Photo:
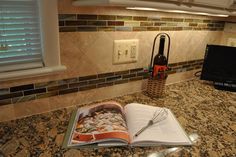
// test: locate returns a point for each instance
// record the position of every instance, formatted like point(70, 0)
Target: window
point(29, 38)
point(20, 43)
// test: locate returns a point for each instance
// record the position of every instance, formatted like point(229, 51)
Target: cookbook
point(111, 124)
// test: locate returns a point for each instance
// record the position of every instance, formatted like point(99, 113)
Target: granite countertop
point(197, 105)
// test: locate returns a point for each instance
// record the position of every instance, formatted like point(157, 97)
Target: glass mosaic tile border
point(95, 23)
point(30, 92)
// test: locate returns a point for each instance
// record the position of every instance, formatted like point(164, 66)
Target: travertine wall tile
point(9, 112)
point(87, 51)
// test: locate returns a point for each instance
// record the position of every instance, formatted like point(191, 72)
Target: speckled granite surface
point(198, 106)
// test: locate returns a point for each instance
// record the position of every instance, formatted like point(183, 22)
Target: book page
point(167, 132)
point(101, 122)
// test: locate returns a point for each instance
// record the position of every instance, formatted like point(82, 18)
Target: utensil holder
point(155, 88)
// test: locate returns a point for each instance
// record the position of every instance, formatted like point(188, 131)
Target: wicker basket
point(155, 88)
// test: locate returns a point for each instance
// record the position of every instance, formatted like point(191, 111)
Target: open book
point(110, 124)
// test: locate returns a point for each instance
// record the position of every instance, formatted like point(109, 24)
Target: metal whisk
point(158, 116)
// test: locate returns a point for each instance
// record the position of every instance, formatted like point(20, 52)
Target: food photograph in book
point(100, 122)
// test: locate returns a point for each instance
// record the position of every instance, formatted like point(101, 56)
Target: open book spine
point(68, 133)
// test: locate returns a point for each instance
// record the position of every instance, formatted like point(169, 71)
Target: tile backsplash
point(86, 47)
point(92, 22)
point(30, 92)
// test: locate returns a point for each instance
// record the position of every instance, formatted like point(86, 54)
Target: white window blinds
point(20, 43)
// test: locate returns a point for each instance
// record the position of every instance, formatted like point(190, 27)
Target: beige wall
point(86, 53)
point(229, 33)
point(91, 53)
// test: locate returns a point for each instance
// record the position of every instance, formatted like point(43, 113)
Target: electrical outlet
point(125, 51)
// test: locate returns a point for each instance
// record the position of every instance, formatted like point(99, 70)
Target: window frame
point(48, 13)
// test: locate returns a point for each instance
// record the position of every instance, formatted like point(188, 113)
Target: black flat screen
point(219, 64)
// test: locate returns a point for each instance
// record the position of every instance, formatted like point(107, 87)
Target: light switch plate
point(125, 51)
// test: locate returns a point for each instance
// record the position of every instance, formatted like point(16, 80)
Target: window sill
point(30, 73)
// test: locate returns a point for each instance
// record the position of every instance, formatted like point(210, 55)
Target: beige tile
point(190, 45)
point(87, 53)
point(91, 52)
point(62, 101)
point(107, 92)
point(7, 113)
point(20, 110)
point(180, 77)
point(31, 107)
point(226, 36)
point(132, 23)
